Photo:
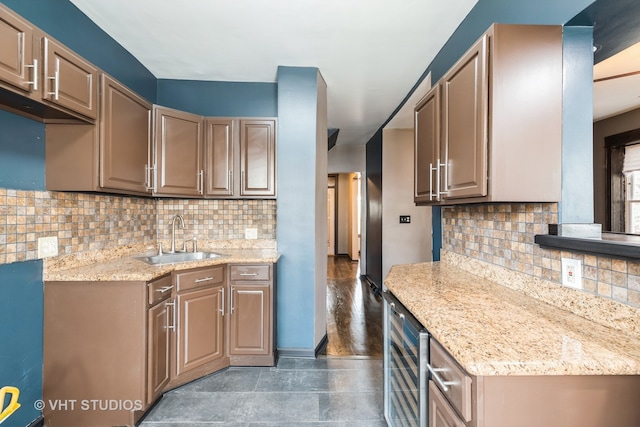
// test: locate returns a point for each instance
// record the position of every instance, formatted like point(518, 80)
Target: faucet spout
point(173, 231)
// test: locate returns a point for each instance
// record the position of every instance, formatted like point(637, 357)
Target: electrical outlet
point(572, 273)
point(251, 233)
point(47, 246)
point(405, 219)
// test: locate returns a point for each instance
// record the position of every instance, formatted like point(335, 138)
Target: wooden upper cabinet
point(219, 152)
point(125, 138)
point(501, 112)
point(465, 118)
point(69, 81)
point(427, 147)
point(178, 143)
point(257, 157)
point(18, 66)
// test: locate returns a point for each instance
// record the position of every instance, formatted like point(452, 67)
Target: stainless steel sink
point(179, 257)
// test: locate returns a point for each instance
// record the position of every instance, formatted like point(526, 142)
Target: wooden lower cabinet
point(160, 323)
point(95, 351)
point(252, 320)
point(528, 400)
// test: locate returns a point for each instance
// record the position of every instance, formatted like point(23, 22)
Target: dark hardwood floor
point(354, 313)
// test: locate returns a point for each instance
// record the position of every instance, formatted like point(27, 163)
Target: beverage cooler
point(406, 354)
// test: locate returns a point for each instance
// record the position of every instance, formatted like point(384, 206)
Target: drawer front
point(159, 289)
point(194, 279)
point(440, 412)
point(250, 272)
point(454, 383)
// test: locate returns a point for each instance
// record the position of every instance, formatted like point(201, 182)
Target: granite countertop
point(491, 329)
point(124, 264)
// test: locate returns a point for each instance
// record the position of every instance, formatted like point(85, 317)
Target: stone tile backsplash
point(503, 234)
point(87, 222)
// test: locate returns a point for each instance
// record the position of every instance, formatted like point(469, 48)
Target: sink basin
point(179, 257)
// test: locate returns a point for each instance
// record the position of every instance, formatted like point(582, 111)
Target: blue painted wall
point(230, 99)
point(296, 218)
point(22, 153)
point(64, 22)
point(21, 317)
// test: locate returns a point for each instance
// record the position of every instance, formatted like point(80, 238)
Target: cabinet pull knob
point(164, 289)
point(34, 82)
point(248, 274)
point(205, 279)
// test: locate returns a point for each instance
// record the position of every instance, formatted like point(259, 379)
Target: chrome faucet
point(173, 232)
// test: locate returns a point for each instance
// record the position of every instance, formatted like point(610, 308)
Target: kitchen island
point(534, 353)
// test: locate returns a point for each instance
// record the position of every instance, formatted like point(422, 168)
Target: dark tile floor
point(336, 392)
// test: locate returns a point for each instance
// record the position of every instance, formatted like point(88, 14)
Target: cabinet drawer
point(159, 289)
point(250, 272)
point(198, 278)
point(456, 381)
point(440, 412)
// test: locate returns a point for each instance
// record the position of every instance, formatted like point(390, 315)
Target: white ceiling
point(370, 52)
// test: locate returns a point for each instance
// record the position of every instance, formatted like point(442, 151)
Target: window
point(623, 167)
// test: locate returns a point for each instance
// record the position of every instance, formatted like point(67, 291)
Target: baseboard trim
point(38, 422)
point(304, 352)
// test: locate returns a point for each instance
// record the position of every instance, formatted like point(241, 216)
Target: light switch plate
point(47, 246)
point(250, 233)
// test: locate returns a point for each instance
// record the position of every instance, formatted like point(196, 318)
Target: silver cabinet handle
point(164, 289)
point(149, 172)
point(173, 315)
point(442, 165)
point(56, 81)
point(230, 184)
point(222, 309)
point(34, 82)
point(431, 193)
point(248, 274)
point(205, 279)
point(444, 385)
point(232, 307)
point(393, 308)
point(201, 182)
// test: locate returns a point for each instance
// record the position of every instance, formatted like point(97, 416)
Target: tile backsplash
point(87, 222)
point(503, 234)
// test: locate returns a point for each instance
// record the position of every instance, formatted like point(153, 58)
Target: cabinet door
point(200, 335)
point(465, 109)
point(160, 323)
point(440, 412)
point(17, 66)
point(219, 157)
point(69, 81)
point(250, 319)
point(125, 129)
point(257, 158)
point(178, 148)
point(427, 147)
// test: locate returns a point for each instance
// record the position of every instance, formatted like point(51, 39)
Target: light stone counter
point(125, 263)
point(491, 329)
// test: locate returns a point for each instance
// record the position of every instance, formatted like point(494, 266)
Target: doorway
point(354, 311)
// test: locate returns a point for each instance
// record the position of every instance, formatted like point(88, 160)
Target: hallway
point(354, 313)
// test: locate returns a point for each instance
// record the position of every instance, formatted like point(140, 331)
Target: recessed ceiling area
point(616, 87)
point(369, 52)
